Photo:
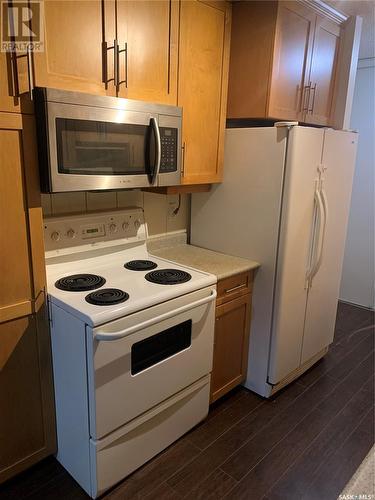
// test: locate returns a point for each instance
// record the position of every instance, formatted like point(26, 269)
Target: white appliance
point(284, 202)
point(132, 344)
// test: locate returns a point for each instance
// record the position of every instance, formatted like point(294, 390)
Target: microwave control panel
point(169, 151)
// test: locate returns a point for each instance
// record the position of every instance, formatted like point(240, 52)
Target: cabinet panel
point(201, 71)
point(72, 58)
point(292, 54)
point(14, 249)
point(15, 65)
point(150, 29)
point(323, 69)
point(7, 101)
point(231, 345)
point(21, 418)
point(27, 431)
point(253, 32)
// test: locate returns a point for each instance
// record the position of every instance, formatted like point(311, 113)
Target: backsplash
point(158, 208)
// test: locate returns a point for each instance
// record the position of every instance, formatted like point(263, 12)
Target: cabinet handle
point(116, 63)
point(119, 82)
point(229, 290)
point(183, 159)
point(30, 71)
point(307, 89)
point(105, 50)
point(15, 86)
point(311, 110)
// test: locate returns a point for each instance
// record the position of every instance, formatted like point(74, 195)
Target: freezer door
point(296, 230)
point(337, 174)
point(241, 217)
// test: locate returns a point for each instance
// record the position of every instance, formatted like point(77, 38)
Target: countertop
point(220, 264)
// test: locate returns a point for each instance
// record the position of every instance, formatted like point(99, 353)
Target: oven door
point(137, 362)
point(97, 148)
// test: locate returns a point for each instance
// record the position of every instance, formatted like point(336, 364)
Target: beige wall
point(158, 208)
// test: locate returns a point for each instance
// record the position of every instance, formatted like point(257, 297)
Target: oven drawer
point(141, 360)
point(120, 453)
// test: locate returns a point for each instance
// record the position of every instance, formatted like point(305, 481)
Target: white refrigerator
point(284, 202)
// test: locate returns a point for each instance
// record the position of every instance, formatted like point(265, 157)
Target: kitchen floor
point(305, 443)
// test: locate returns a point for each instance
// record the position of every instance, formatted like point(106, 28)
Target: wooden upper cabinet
point(323, 71)
point(292, 52)
point(72, 56)
point(15, 67)
point(202, 88)
point(16, 295)
point(148, 66)
point(283, 60)
point(21, 226)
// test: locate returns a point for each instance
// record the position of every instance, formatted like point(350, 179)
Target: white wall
point(357, 284)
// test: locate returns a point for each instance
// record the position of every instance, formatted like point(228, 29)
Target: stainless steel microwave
point(88, 142)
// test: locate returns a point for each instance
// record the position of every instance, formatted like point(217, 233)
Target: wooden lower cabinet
point(27, 422)
point(232, 329)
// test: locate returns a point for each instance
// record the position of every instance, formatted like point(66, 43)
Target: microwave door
point(98, 149)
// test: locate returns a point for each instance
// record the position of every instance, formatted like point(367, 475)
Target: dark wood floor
point(306, 443)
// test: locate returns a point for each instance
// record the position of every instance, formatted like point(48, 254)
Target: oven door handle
point(155, 171)
point(101, 335)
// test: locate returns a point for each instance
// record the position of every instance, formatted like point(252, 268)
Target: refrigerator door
point(241, 217)
point(296, 235)
point(337, 174)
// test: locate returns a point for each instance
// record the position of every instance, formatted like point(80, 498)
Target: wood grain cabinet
point(232, 329)
point(147, 33)
point(202, 87)
point(26, 393)
point(125, 48)
point(283, 62)
point(72, 57)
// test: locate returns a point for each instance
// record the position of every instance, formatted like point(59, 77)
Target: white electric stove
point(132, 344)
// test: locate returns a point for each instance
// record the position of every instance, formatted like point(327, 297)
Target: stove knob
point(125, 226)
point(137, 224)
point(113, 228)
point(55, 236)
point(71, 233)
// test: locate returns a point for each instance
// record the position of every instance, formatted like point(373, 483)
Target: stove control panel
point(78, 230)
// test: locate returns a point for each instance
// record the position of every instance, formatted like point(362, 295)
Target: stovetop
point(105, 259)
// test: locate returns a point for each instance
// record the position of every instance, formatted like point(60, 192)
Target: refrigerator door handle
point(325, 214)
point(317, 237)
point(318, 250)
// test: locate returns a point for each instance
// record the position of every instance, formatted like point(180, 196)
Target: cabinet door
point(72, 57)
point(323, 69)
point(27, 432)
point(16, 294)
point(202, 84)
point(148, 68)
point(292, 53)
point(231, 345)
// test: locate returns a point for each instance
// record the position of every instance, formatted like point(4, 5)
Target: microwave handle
point(100, 335)
point(155, 128)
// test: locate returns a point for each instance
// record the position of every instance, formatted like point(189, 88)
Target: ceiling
point(365, 9)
